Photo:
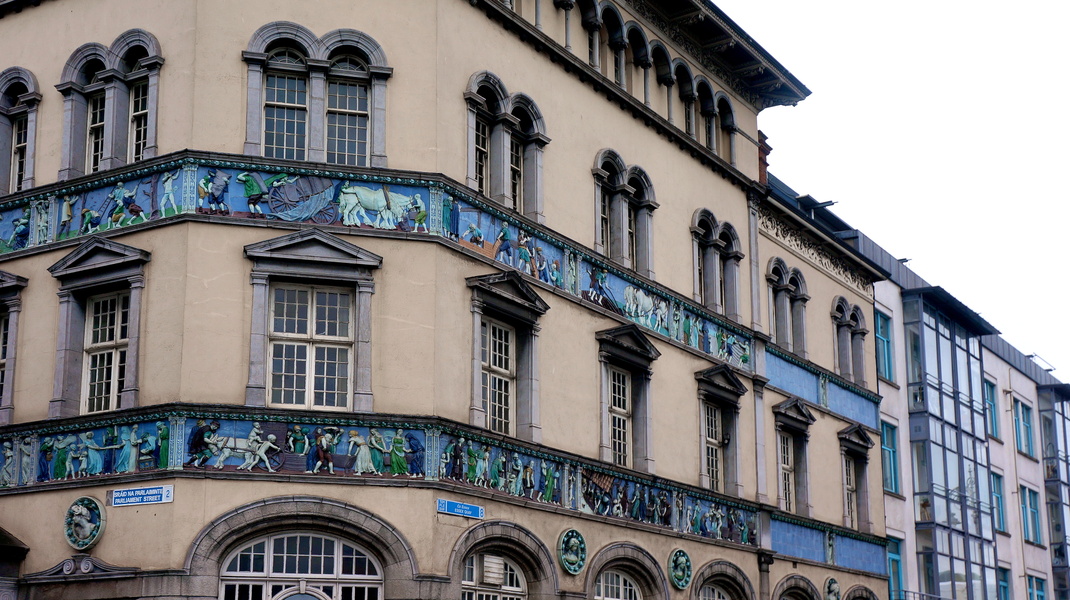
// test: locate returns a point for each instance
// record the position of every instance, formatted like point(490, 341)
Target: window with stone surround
point(626, 356)
point(319, 99)
point(310, 340)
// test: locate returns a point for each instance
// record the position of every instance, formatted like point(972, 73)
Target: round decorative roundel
point(680, 569)
point(84, 523)
point(572, 551)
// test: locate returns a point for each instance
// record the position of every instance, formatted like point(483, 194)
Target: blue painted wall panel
point(801, 542)
point(791, 378)
point(852, 406)
point(864, 556)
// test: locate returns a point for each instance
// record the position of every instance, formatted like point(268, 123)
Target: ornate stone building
point(420, 299)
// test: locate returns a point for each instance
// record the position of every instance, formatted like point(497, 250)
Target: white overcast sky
point(940, 129)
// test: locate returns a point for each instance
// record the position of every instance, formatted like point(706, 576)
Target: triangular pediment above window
point(506, 295)
point(631, 339)
point(99, 258)
point(509, 286)
point(855, 438)
point(721, 382)
point(313, 245)
point(10, 284)
point(794, 413)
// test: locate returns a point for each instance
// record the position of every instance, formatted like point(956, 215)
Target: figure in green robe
point(398, 464)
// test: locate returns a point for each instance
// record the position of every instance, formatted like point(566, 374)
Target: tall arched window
point(726, 130)
point(492, 577)
point(849, 323)
point(286, 103)
point(787, 307)
point(616, 585)
point(685, 90)
point(506, 137)
point(317, 99)
point(716, 257)
point(19, 98)
point(663, 75)
point(300, 566)
point(111, 96)
point(624, 201)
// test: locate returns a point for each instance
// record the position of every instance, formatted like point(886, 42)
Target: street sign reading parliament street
point(157, 494)
point(460, 509)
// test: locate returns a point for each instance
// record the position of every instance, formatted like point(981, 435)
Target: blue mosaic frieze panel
point(849, 404)
point(87, 453)
point(543, 478)
point(494, 235)
point(790, 539)
point(248, 191)
point(304, 447)
point(335, 447)
point(861, 555)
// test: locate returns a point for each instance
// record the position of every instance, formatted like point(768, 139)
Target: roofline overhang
point(952, 307)
point(800, 218)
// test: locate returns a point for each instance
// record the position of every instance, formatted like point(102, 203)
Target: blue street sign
point(460, 509)
point(157, 494)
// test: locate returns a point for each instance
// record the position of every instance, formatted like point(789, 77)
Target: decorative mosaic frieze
point(240, 190)
point(340, 448)
point(814, 251)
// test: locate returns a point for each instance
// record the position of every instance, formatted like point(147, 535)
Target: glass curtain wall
point(949, 456)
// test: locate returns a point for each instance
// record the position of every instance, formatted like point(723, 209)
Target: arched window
point(638, 63)
point(850, 331)
point(707, 109)
point(716, 256)
point(286, 103)
point(18, 127)
point(300, 566)
point(612, 45)
point(787, 307)
point(712, 592)
point(662, 94)
point(527, 138)
point(726, 130)
point(492, 577)
point(317, 99)
point(348, 109)
point(624, 201)
point(685, 89)
point(616, 585)
point(111, 95)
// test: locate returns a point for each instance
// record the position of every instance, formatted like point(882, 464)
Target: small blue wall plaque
point(460, 509)
point(158, 494)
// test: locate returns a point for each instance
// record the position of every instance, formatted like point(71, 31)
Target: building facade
point(971, 451)
point(451, 299)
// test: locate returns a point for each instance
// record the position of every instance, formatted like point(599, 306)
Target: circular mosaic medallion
point(572, 550)
point(680, 569)
point(84, 523)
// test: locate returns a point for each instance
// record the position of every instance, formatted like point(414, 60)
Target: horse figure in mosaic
point(355, 201)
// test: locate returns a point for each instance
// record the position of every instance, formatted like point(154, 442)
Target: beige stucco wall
point(203, 88)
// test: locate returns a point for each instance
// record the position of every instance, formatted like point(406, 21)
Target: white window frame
point(499, 402)
point(287, 64)
point(786, 462)
point(313, 343)
point(112, 348)
point(492, 577)
point(612, 584)
point(850, 492)
point(620, 416)
point(96, 124)
point(248, 555)
point(713, 428)
point(139, 120)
